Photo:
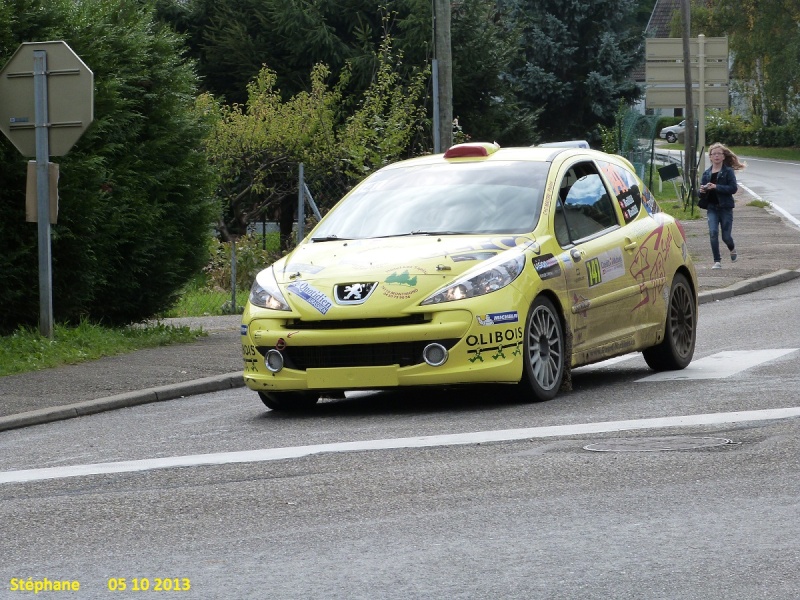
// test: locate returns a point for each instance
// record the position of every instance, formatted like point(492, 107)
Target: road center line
point(504, 435)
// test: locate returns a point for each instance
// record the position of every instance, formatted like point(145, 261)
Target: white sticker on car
point(606, 267)
point(310, 294)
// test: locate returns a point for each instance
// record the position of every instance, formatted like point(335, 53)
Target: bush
point(737, 132)
point(251, 257)
point(780, 136)
point(667, 122)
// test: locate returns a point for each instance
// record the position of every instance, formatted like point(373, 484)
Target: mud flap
point(566, 381)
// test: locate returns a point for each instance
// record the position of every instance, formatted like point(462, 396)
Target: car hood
point(400, 268)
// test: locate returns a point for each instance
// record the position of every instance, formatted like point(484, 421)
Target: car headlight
point(266, 293)
point(495, 274)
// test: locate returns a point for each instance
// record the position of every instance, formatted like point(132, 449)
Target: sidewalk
point(769, 254)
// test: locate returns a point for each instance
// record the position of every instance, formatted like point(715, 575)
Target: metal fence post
point(311, 203)
point(301, 206)
point(233, 277)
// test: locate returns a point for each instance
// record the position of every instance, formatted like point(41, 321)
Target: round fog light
point(274, 360)
point(435, 355)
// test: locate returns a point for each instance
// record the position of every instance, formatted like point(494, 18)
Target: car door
point(647, 240)
point(599, 249)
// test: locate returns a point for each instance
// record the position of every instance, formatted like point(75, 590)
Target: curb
point(215, 383)
point(748, 286)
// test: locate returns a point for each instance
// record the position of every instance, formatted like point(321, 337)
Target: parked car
point(672, 132)
point(479, 265)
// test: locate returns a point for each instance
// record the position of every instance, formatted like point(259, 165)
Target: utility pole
point(688, 133)
point(443, 75)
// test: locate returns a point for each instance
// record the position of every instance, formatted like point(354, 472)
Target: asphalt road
point(407, 510)
point(774, 180)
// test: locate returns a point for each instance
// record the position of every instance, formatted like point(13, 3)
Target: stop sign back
point(70, 95)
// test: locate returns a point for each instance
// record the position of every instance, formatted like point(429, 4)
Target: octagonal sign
point(70, 98)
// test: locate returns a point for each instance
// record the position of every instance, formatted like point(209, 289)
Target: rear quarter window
point(631, 194)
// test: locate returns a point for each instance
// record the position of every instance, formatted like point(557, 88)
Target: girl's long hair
point(730, 158)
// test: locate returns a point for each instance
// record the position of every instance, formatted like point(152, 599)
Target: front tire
point(671, 137)
point(545, 352)
point(676, 350)
point(288, 401)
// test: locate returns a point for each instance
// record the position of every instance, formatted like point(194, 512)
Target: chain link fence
point(223, 286)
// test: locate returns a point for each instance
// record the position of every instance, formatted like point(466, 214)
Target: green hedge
point(135, 204)
point(776, 136)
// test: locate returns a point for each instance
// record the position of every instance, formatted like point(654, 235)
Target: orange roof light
point(471, 150)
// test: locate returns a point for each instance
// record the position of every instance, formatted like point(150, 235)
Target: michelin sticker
point(510, 316)
point(311, 295)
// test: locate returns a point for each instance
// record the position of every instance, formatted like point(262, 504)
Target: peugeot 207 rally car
point(479, 265)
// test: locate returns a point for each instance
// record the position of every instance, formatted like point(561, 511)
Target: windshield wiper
point(328, 238)
point(422, 232)
point(416, 232)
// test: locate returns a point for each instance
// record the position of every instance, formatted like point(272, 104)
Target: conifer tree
point(576, 64)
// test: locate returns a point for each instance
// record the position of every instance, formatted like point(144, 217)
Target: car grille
point(359, 323)
point(404, 354)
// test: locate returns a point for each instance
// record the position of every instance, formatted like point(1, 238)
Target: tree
point(578, 57)
point(256, 147)
point(135, 205)
point(233, 39)
point(764, 38)
point(485, 100)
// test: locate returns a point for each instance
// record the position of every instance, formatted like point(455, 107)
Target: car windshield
point(441, 199)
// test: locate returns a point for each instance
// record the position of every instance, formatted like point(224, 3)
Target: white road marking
point(720, 365)
point(505, 435)
point(787, 215)
point(770, 160)
point(608, 362)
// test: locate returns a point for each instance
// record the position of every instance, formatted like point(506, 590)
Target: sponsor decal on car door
point(602, 292)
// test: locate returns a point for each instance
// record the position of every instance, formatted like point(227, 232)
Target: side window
point(584, 208)
point(627, 188)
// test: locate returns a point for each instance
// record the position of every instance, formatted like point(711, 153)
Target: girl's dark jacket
point(726, 185)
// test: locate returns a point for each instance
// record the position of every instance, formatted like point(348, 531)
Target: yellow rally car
point(481, 265)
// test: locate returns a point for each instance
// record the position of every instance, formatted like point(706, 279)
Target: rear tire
point(676, 350)
point(288, 401)
point(545, 352)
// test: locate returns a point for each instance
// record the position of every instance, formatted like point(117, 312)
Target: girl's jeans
point(720, 218)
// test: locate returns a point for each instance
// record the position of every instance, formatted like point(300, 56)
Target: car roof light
point(471, 150)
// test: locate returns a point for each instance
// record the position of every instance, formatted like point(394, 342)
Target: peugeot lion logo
point(354, 293)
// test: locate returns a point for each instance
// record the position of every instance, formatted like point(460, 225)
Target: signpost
point(664, 71)
point(46, 103)
point(665, 85)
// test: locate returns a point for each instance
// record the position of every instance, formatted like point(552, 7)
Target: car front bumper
point(378, 353)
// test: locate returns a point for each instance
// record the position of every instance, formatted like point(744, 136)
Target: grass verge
point(26, 350)
point(676, 209)
point(203, 303)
